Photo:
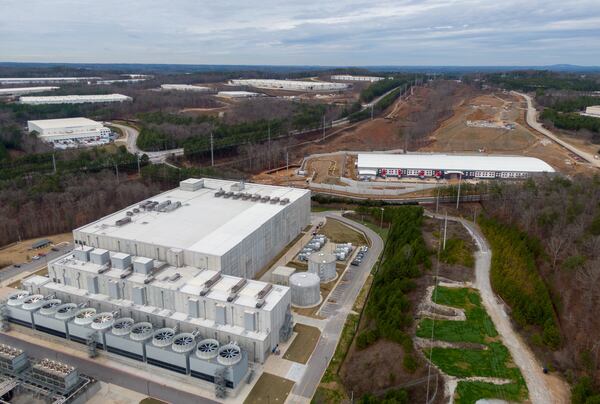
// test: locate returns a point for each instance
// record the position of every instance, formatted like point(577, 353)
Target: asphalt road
point(533, 122)
point(33, 266)
point(131, 135)
point(542, 388)
point(337, 312)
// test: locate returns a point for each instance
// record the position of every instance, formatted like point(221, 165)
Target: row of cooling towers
point(163, 347)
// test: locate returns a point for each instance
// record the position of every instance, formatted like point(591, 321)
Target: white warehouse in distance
point(348, 77)
point(26, 80)
point(25, 90)
point(74, 99)
point(432, 165)
point(183, 87)
point(290, 85)
point(220, 225)
point(73, 129)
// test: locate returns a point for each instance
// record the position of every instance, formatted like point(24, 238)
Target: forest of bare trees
point(57, 204)
point(564, 215)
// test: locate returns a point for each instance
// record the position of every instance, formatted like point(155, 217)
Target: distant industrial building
point(347, 77)
point(25, 90)
point(227, 226)
point(74, 99)
point(371, 165)
point(184, 87)
point(62, 131)
point(593, 110)
point(119, 81)
point(290, 85)
point(25, 80)
point(238, 94)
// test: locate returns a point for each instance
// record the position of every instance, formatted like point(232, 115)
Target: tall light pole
point(458, 195)
point(381, 221)
point(212, 154)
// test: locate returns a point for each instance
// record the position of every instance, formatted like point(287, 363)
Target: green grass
point(471, 392)
point(478, 328)
point(492, 361)
point(457, 252)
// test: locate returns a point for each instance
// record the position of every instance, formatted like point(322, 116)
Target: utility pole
point(212, 155)
point(381, 222)
point(54, 163)
point(269, 135)
point(458, 195)
point(117, 171)
point(138, 163)
point(372, 111)
point(445, 230)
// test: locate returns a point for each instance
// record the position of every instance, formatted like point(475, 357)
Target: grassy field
point(457, 252)
point(338, 232)
point(492, 360)
point(303, 344)
point(269, 389)
point(478, 328)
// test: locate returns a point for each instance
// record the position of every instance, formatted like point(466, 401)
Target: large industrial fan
point(17, 298)
point(183, 342)
point(85, 316)
point(122, 326)
point(163, 337)
point(50, 307)
point(141, 331)
point(207, 349)
point(102, 321)
point(33, 302)
point(229, 354)
point(66, 311)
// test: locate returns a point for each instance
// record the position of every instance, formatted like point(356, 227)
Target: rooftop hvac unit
point(260, 303)
point(148, 280)
point(219, 193)
point(229, 354)
point(171, 207)
point(103, 270)
point(85, 316)
point(122, 326)
point(238, 186)
point(265, 291)
point(161, 206)
point(237, 195)
point(141, 331)
point(123, 221)
point(174, 277)
point(255, 197)
point(284, 201)
point(33, 302)
point(246, 196)
point(102, 321)
point(145, 204)
point(265, 199)
point(136, 210)
point(163, 337)
point(66, 311)
point(129, 213)
point(228, 194)
point(209, 283)
point(50, 307)
point(274, 199)
point(184, 342)
point(207, 349)
point(17, 298)
point(235, 289)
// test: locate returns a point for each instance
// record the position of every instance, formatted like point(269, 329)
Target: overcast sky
point(308, 32)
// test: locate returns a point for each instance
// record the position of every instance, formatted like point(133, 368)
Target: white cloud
point(352, 32)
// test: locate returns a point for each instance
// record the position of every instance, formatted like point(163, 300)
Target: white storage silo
point(322, 264)
point(306, 291)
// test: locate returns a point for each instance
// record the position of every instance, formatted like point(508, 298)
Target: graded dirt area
point(455, 136)
point(18, 253)
point(304, 343)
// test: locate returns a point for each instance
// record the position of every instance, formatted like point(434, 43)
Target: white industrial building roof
point(63, 123)
point(204, 223)
point(73, 99)
point(237, 94)
point(449, 162)
point(25, 90)
point(184, 87)
point(15, 80)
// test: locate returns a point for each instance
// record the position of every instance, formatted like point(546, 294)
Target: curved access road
point(532, 121)
point(131, 135)
point(353, 280)
point(542, 388)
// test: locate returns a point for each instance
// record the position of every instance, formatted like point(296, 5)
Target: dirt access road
point(532, 121)
point(543, 388)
